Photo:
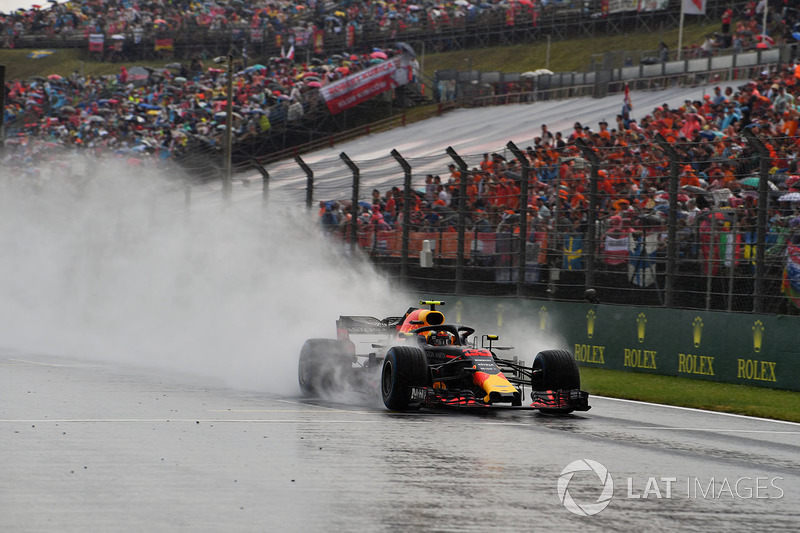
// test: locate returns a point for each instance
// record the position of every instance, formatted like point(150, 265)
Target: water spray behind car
point(108, 261)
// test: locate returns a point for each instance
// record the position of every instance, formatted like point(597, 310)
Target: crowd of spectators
point(133, 21)
point(718, 175)
point(153, 113)
point(272, 17)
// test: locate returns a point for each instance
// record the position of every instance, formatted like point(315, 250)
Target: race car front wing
point(576, 400)
point(561, 400)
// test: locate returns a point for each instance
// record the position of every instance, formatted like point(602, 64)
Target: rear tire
point(323, 366)
point(555, 370)
point(403, 367)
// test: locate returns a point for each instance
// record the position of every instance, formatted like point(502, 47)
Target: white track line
point(37, 363)
point(182, 420)
point(716, 430)
point(700, 411)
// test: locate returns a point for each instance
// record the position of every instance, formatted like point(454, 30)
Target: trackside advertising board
point(368, 83)
point(746, 349)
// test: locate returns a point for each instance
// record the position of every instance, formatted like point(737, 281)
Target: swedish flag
point(38, 54)
point(573, 252)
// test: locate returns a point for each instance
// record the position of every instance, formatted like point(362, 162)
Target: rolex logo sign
point(697, 331)
point(758, 335)
point(641, 322)
point(590, 318)
point(543, 318)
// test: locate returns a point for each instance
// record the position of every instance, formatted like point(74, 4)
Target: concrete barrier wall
point(747, 349)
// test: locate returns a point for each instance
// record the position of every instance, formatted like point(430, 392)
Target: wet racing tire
point(555, 370)
point(403, 367)
point(323, 367)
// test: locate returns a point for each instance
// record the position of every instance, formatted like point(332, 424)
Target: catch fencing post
point(264, 182)
point(406, 213)
point(462, 207)
point(672, 221)
point(309, 180)
point(591, 238)
point(354, 206)
point(523, 216)
point(761, 230)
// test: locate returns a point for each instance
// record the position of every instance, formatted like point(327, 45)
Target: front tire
point(403, 367)
point(555, 370)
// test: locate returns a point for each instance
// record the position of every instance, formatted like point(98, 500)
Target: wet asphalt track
point(91, 447)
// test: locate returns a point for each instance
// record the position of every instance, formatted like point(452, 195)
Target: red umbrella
point(314, 84)
point(54, 77)
point(378, 55)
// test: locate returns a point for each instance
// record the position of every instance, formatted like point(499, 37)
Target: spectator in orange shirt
point(688, 177)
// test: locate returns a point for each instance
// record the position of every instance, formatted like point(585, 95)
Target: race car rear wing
point(366, 325)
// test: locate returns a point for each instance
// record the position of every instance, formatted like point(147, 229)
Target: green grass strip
point(699, 394)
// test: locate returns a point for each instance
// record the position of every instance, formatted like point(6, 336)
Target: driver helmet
point(442, 338)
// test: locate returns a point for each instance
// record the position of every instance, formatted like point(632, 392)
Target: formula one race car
point(420, 361)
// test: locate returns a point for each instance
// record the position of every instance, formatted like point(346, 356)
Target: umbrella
point(96, 118)
point(314, 84)
point(751, 181)
point(54, 77)
point(255, 67)
point(405, 47)
point(378, 55)
point(159, 21)
point(67, 109)
point(790, 197)
point(176, 65)
point(118, 37)
point(138, 76)
point(694, 190)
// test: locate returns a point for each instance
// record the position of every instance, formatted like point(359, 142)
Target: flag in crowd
point(791, 274)
point(694, 7)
